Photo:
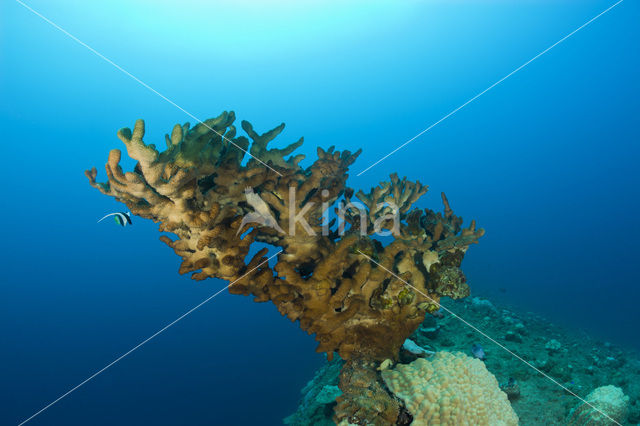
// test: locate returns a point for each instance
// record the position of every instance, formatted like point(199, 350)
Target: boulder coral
point(604, 406)
point(332, 279)
point(450, 389)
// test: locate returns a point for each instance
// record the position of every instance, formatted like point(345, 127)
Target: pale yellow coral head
point(429, 258)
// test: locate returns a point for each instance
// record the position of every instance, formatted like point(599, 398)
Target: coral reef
point(450, 389)
point(583, 363)
point(364, 399)
point(333, 280)
point(607, 405)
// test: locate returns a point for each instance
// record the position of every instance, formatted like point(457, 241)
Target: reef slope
point(575, 359)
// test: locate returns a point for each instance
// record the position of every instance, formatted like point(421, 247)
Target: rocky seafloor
point(576, 360)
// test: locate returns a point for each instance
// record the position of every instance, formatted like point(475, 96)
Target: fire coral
point(336, 284)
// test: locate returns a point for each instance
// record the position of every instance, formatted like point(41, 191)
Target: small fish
point(121, 218)
point(478, 352)
point(438, 314)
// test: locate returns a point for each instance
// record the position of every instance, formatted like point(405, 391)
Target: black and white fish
point(122, 218)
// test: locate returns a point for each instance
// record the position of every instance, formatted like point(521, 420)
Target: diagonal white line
point(97, 373)
point(492, 86)
point(142, 83)
point(490, 338)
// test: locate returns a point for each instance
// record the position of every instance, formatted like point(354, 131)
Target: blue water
point(546, 162)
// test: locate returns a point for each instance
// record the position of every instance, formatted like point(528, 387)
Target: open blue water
point(546, 162)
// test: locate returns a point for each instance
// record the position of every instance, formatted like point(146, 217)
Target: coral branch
point(199, 190)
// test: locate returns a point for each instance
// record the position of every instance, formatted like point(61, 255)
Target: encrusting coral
point(450, 389)
point(334, 280)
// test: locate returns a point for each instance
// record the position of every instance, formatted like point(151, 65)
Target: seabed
point(573, 358)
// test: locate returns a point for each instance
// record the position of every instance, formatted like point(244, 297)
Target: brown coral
point(195, 189)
